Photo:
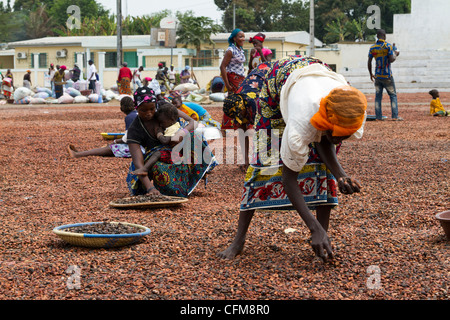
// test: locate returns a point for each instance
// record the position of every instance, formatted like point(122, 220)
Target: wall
point(426, 27)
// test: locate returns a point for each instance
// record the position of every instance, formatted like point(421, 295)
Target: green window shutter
point(205, 58)
point(111, 59)
point(42, 60)
point(131, 58)
point(32, 61)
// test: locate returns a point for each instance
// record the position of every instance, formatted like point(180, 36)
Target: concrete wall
point(425, 28)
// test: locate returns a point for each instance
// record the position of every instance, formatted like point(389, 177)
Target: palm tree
point(337, 30)
point(39, 24)
point(359, 29)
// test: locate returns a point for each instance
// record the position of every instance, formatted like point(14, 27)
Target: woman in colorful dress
point(232, 66)
point(58, 79)
point(258, 54)
point(124, 80)
point(307, 110)
point(233, 73)
point(171, 179)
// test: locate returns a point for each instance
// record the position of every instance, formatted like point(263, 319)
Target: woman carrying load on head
point(304, 112)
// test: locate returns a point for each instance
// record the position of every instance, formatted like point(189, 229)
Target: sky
point(205, 8)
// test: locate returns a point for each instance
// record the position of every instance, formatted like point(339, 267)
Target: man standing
point(137, 82)
point(384, 54)
point(92, 75)
point(172, 76)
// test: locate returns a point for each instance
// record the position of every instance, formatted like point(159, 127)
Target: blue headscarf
point(232, 35)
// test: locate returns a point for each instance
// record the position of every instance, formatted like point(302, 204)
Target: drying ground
point(386, 240)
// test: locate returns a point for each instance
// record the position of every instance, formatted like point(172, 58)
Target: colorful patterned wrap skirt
point(176, 179)
point(122, 150)
point(235, 81)
point(263, 187)
point(245, 97)
point(125, 86)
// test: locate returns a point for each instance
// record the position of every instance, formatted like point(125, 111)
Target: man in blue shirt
point(384, 54)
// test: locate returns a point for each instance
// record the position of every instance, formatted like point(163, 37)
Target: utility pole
point(119, 33)
point(234, 15)
point(311, 29)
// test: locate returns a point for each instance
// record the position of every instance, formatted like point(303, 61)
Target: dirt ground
point(387, 243)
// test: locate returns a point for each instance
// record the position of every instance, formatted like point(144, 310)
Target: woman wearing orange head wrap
point(307, 110)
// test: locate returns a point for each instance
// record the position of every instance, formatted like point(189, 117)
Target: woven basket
point(100, 240)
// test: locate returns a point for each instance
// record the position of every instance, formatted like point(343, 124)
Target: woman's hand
point(321, 244)
point(348, 185)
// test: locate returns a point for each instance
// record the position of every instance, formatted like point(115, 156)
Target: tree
point(265, 15)
point(326, 11)
point(337, 30)
point(39, 24)
point(88, 9)
point(145, 23)
point(195, 30)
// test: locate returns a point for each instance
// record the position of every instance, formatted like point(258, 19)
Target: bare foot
point(72, 151)
point(231, 252)
point(153, 191)
point(140, 172)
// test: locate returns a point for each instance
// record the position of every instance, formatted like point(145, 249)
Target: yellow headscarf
point(342, 111)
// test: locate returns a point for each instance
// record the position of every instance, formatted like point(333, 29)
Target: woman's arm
point(136, 155)
point(319, 238)
point(223, 69)
point(327, 152)
point(250, 60)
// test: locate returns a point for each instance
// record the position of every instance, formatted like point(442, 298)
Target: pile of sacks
point(192, 93)
point(71, 95)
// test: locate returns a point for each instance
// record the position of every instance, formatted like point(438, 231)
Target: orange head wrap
point(342, 111)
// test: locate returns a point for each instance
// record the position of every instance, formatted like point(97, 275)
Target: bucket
point(444, 219)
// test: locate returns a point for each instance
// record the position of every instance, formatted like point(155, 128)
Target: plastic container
point(444, 220)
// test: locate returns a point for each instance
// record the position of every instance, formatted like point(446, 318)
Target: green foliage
point(88, 9)
point(352, 15)
point(195, 30)
point(335, 20)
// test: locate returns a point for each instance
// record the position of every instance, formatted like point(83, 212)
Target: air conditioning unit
point(21, 55)
point(61, 53)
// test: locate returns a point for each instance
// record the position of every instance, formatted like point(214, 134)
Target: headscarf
point(63, 67)
point(232, 35)
point(259, 36)
point(144, 94)
point(343, 111)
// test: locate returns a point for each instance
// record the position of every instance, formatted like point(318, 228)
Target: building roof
point(92, 42)
point(299, 37)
